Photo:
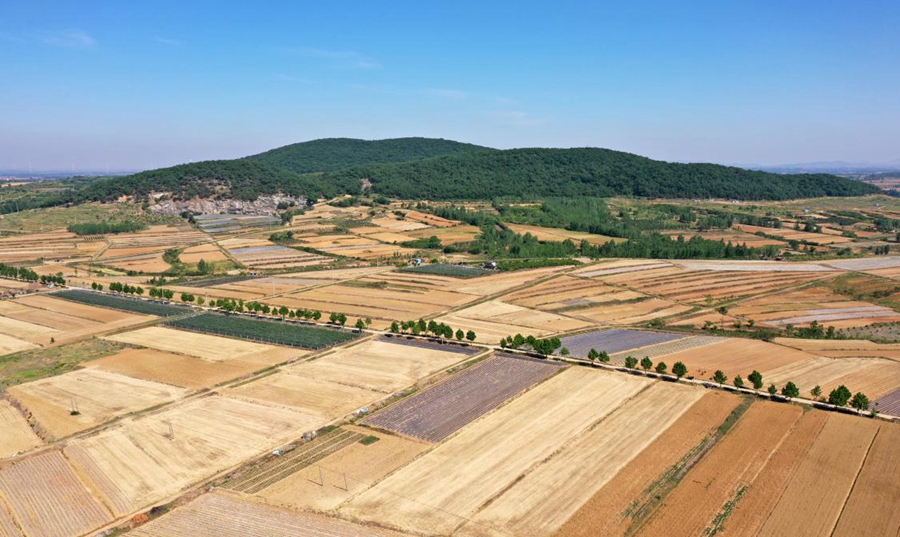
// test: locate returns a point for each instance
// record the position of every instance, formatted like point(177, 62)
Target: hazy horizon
point(129, 86)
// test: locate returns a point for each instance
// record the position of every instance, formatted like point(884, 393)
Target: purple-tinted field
point(889, 403)
point(613, 341)
point(439, 411)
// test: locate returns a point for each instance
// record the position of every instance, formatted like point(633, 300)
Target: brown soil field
point(338, 275)
point(208, 347)
point(56, 321)
point(440, 490)
point(539, 503)
point(206, 252)
point(115, 253)
point(607, 512)
point(568, 292)
point(361, 465)
point(754, 507)
point(46, 498)
point(151, 263)
point(161, 235)
point(67, 307)
point(136, 462)
point(175, 369)
point(34, 333)
point(841, 348)
point(98, 395)
point(551, 234)
point(734, 236)
point(226, 514)
point(872, 376)
point(397, 225)
point(274, 285)
point(50, 246)
point(753, 266)
point(17, 435)
point(495, 320)
point(815, 495)
point(737, 357)
point(430, 219)
point(630, 312)
point(400, 280)
point(620, 266)
point(871, 508)
point(377, 365)
point(318, 398)
point(733, 463)
point(493, 284)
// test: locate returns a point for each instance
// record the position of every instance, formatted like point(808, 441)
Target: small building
point(489, 265)
point(417, 261)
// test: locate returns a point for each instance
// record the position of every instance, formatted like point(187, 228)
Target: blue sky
point(130, 85)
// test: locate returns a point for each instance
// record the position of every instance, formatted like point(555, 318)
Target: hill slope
point(331, 154)
point(534, 173)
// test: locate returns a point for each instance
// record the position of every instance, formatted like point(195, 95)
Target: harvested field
point(158, 236)
point(137, 462)
point(17, 435)
point(672, 347)
point(175, 369)
point(624, 266)
point(494, 320)
point(844, 348)
point(729, 235)
point(135, 305)
point(258, 287)
point(815, 495)
point(275, 256)
point(754, 266)
point(46, 498)
point(228, 515)
point(791, 234)
point(443, 409)
point(381, 305)
point(149, 263)
point(345, 473)
point(732, 464)
point(34, 333)
point(751, 512)
point(614, 340)
point(448, 235)
point(552, 234)
point(206, 252)
point(565, 293)
point(379, 365)
point(871, 508)
point(738, 357)
point(493, 284)
point(872, 376)
point(97, 395)
point(610, 510)
point(541, 502)
point(278, 333)
point(866, 264)
point(210, 348)
point(318, 398)
point(443, 269)
point(630, 312)
point(9, 344)
point(276, 468)
point(443, 488)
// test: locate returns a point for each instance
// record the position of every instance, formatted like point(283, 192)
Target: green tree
point(203, 267)
point(564, 351)
point(200, 300)
point(593, 355)
point(860, 402)
point(646, 363)
point(604, 357)
point(790, 390)
point(756, 379)
point(360, 324)
point(839, 396)
point(395, 328)
point(816, 392)
point(460, 335)
point(738, 382)
point(631, 362)
point(772, 389)
point(723, 311)
point(661, 368)
point(720, 377)
point(679, 369)
point(470, 335)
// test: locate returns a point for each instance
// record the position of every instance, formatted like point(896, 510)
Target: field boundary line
point(855, 480)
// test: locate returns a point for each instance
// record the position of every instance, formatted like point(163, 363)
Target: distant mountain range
point(427, 168)
point(835, 167)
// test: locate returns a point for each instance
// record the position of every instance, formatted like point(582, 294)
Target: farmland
point(122, 303)
point(17, 434)
point(615, 340)
point(280, 333)
point(443, 409)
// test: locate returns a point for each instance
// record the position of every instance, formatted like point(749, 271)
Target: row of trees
point(127, 289)
point(543, 346)
point(433, 327)
point(839, 396)
point(52, 278)
point(18, 273)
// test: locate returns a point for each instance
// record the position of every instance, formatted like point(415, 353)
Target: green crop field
point(279, 333)
point(121, 303)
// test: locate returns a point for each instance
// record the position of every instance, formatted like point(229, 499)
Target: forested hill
point(536, 173)
point(472, 172)
point(240, 179)
point(331, 154)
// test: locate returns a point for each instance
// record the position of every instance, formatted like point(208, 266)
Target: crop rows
point(279, 333)
point(280, 467)
point(438, 412)
point(121, 303)
point(457, 271)
point(889, 403)
point(670, 347)
point(615, 340)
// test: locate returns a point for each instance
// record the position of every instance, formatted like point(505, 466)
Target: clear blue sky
point(133, 85)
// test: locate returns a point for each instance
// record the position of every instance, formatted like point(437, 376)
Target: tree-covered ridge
point(537, 173)
point(240, 179)
point(332, 154)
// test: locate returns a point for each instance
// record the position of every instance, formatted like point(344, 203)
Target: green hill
point(331, 154)
point(538, 173)
point(241, 179)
